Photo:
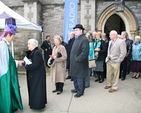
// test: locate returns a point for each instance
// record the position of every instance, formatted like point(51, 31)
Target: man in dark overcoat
point(46, 46)
point(123, 65)
point(70, 43)
point(79, 61)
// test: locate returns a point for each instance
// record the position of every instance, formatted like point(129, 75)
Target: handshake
point(23, 62)
point(19, 63)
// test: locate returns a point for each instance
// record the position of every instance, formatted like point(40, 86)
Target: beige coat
point(118, 51)
point(58, 70)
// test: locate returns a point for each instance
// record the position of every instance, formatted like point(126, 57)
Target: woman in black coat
point(36, 76)
point(100, 54)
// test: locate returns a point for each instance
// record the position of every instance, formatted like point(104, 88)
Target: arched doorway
point(127, 17)
point(114, 22)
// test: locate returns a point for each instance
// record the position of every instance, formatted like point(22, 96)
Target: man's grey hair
point(125, 33)
point(72, 33)
point(33, 41)
point(113, 32)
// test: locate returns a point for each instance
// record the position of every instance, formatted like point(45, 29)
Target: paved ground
point(95, 100)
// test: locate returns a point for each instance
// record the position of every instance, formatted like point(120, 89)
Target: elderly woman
point(100, 55)
point(36, 76)
point(136, 58)
point(58, 69)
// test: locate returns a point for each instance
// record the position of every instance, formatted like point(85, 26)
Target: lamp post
point(119, 5)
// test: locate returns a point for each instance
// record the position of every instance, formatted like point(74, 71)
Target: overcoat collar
point(30, 53)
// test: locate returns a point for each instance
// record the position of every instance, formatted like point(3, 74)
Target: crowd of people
point(115, 56)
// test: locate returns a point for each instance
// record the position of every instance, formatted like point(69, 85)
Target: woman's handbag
point(51, 61)
point(92, 63)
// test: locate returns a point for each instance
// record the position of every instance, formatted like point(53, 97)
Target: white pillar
point(31, 13)
point(88, 14)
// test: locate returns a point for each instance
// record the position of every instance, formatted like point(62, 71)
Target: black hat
point(79, 26)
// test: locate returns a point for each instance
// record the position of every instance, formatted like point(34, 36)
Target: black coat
point(46, 45)
point(79, 57)
point(65, 45)
point(129, 48)
point(36, 80)
point(103, 51)
point(70, 43)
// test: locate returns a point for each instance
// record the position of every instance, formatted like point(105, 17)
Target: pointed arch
point(127, 17)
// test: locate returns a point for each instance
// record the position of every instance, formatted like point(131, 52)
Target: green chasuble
point(10, 98)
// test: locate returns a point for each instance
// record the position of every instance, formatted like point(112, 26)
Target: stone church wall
point(133, 6)
point(52, 15)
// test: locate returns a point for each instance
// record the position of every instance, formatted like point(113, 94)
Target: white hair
point(72, 33)
point(138, 37)
point(113, 32)
point(34, 42)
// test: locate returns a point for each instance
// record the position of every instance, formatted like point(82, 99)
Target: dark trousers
point(79, 84)
point(69, 73)
point(59, 86)
point(128, 66)
point(123, 68)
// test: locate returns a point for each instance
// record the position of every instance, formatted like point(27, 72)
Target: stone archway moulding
point(126, 16)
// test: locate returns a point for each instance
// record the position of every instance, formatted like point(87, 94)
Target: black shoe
point(97, 80)
point(122, 79)
point(78, 95)
point(68, 77)
point(74, 91)
point(87, 86)
point(71, 79)
point(59, 92)
point(100, 81)
point(54, 91)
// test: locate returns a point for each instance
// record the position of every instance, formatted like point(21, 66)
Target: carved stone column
point(32, 11)
point(88, 14)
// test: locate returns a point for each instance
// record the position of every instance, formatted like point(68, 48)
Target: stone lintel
point(32, 1)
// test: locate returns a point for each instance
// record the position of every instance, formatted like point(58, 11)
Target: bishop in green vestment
point(10, 98)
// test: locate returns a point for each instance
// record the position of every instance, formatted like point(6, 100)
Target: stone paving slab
point(96, 99)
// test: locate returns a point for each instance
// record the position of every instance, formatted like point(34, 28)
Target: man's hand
point(20, 62)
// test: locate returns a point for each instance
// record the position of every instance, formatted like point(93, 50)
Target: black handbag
point(59, 55)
